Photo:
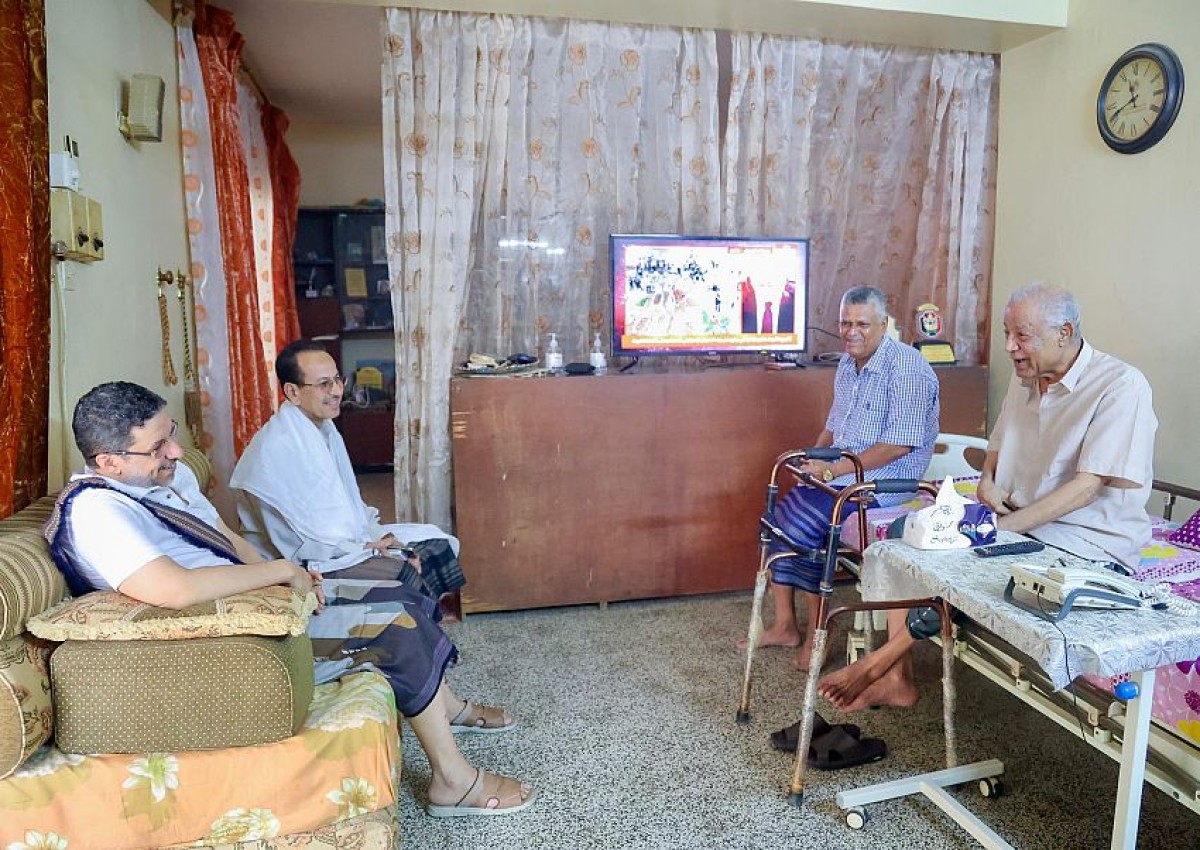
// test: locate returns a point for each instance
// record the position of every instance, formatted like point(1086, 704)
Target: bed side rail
point(1171, 492)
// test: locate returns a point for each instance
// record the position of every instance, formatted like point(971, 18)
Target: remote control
point(1021, 547)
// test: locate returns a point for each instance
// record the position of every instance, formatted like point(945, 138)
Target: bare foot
point(804, 657)
point(773, 637)
point(842, 687)
point(483, 791)
point(853, 690)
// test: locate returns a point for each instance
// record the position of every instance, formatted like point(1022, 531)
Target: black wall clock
point(1140, 98)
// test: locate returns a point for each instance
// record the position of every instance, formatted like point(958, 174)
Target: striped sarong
point(382, 625)
point(804, 515)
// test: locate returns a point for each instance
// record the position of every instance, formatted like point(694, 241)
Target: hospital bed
point(1088, 709)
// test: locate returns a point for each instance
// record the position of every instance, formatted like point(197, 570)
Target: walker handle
point(897, 485)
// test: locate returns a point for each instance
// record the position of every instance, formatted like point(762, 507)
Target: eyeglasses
point(158, 451)
point(325, 384)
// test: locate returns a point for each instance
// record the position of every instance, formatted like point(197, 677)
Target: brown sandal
point(480, 720)
point(494, 803)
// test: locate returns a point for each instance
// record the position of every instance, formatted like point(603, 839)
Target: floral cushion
point(108, 615)
point(1187, 534)
point(26, 715)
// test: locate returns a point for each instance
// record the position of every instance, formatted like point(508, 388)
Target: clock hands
point(1132, 99)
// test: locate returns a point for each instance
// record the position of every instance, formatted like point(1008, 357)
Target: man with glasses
point(135, 521)
point(885, 410)
point(298, 497)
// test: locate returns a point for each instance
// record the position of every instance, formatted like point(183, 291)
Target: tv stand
point(630, 365)
point(635, 486)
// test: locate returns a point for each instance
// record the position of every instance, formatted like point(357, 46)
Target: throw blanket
point(304, 472)
point(184, 524)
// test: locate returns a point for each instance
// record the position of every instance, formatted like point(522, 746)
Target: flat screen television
point(708, 295)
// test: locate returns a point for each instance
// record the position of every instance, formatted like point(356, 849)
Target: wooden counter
point(592, 489)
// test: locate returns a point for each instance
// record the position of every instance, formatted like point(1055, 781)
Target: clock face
point(1140, 98)
point(1135, 100)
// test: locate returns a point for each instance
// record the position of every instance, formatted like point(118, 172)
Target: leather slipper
point(491, 807)
point(788, 737)
point(478, 719)
point(837, 749)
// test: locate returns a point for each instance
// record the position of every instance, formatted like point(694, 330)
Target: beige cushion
point(108, 615)
point(199, 463)
point(26, 716)
point(29, 581)
point(166, 696)
point(30, 518)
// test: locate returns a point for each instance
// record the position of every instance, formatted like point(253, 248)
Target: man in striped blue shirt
point(886, 411)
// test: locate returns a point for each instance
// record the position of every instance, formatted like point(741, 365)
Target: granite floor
point(627, 726)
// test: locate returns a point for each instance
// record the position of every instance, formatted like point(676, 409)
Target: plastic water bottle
point(554, 357)
point(599, 363)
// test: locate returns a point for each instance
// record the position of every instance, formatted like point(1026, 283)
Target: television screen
point(708, 294)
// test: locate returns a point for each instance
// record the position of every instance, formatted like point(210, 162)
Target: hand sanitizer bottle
point(597, 356)
point(554, 357)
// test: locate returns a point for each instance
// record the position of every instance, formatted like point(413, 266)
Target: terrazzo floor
point(626, 725)
point(627, 728)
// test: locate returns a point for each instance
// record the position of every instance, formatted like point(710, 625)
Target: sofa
point(327, 777)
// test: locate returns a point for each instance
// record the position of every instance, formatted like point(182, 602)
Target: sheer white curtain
point(512, 148)
point(884, 156)
point(207, 265)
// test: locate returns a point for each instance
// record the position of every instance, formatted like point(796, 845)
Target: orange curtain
point(24, 255)
point(219, 46)
point(285, 196)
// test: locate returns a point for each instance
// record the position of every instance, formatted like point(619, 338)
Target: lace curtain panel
point(24, 258)
point(885, 157)
point(512, 147)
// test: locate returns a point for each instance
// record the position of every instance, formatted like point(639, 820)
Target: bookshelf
point(342, 296)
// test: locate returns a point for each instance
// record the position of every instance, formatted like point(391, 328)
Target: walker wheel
point(856, 818)
point(991, 787)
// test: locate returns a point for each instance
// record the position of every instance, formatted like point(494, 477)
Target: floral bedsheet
point(344, 763)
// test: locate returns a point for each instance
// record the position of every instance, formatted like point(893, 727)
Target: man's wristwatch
point(827, 473)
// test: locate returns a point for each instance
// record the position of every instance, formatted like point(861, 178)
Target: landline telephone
point(1066, 588)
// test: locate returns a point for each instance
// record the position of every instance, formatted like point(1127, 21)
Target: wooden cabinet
point(341, 253)
point(601, 488)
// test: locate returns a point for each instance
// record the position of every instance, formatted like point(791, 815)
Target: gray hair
point(867, 295)
point(1056, 305)
point(106, 416)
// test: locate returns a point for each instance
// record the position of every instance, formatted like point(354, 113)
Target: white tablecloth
point(1106, 643)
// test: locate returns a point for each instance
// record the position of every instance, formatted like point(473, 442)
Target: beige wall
point(108, 314)
point(1119, 231)
point(339, 164)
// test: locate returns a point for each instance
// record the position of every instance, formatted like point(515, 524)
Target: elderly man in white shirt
point(1070, 462)
point(298, 497)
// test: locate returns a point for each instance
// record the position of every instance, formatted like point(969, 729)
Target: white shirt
point(1098, 419)
point(112, 537)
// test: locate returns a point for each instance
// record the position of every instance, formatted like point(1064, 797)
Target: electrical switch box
point(72, 232)
point(95, 227)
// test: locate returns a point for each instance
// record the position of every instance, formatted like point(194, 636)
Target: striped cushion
point(29, 581)
point(30, 518)
point(26, 716)
point(146, 696)
point(199, 463)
